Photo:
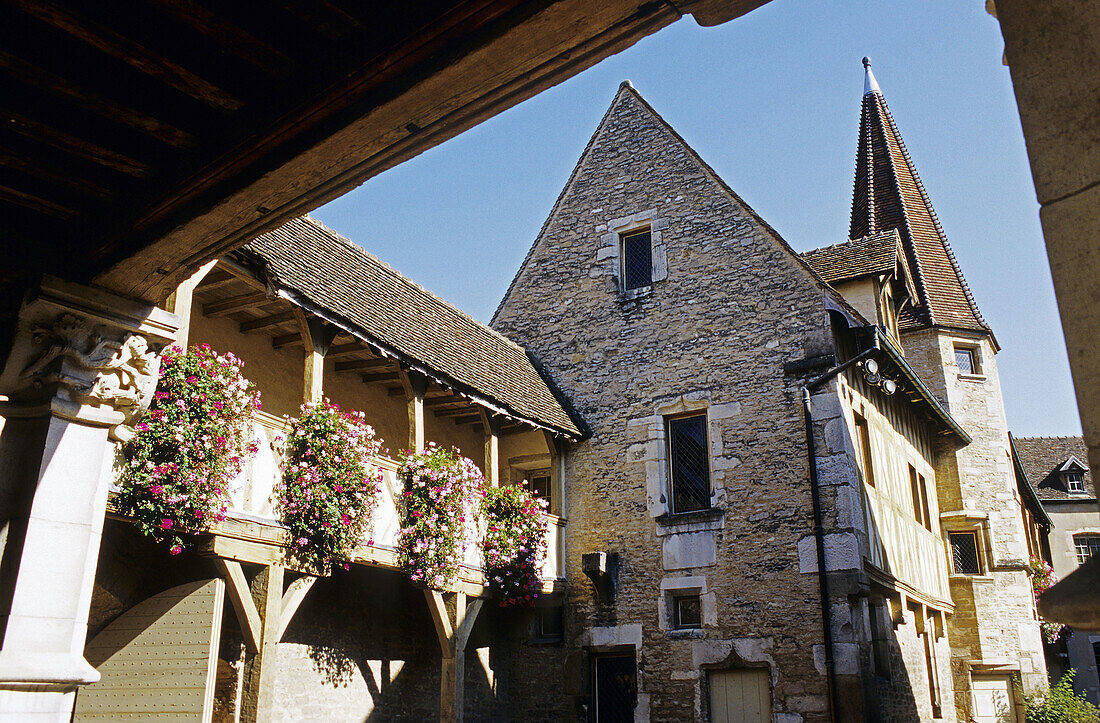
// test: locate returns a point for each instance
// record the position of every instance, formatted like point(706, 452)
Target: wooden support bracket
point(292, 599)
point(247, 615)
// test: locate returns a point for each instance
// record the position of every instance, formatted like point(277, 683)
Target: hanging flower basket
point(195, 439)
point(1042, 579)
point(330, 487)
point(514, 545)
point(437, 509)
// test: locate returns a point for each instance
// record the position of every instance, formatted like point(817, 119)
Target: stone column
point(82, 368)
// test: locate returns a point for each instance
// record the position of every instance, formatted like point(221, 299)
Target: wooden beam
point(248, 617)
point(354, 347)
point(266, 322)
point(292, 599)
point(469, 419)
point(258, 701)
point(415, 385)
point(70, 144)
point(278, 342)
point(490, 423)
point(233, 304)
point(92, 102)
point(462, 410)
point(130, 52)
point(22, 164)
point(442, 619)
point(36, 203)
point(227, 35)
point(441, 400)
point(362, 365)
point(380, 377)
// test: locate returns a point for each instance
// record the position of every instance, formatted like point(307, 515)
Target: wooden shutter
point(158, 659)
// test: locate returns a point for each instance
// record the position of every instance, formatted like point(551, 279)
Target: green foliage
point(329, 488)
point(1061, 705)
point(190, 446)
point(514, 543)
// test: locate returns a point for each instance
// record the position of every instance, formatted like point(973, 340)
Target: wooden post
point(317, 337)
point(452, 642)
point(416, 385)
point(263, 612)
point(491, 423)
point(179, 301)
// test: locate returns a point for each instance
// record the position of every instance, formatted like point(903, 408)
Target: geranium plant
point(1042, 578)
point(437, 511)
point(329, 488)
point(194, 440)
point(514, 544)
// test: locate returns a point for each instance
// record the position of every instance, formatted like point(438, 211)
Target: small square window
point(637, 260)
point(966, 358)
point(551, 625)
point(964, 553)
point(687, 612)
point(689, 463)
point(1075, 482)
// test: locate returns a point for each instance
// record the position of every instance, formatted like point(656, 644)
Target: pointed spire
point(870, 85)
point(888, 195)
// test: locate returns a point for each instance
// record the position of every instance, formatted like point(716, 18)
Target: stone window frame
point(669, 420)
point(977, 362)
point(683, 586)
point(610, 251)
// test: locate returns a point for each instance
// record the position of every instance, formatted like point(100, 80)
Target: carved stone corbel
point(86, 355)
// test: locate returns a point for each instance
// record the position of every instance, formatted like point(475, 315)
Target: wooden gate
point(740, 696)
point(158, 659)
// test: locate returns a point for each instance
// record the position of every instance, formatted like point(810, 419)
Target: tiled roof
point(888, 194)
point(341, 282)
point(874, 254)
point(1041, 458)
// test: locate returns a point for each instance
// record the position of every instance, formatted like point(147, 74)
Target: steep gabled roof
point(888, 194)
point(339, 281)
point(1044, 459)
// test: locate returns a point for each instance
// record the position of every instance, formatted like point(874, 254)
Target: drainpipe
point(819, 533)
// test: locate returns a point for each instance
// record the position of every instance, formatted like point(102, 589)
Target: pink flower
point(345, 520)
point(176, 549)
point(166, 524)
point(156, 490)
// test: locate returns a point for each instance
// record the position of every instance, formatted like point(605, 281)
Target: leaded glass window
point(689, 463)
point(637, 260)
point(964, 553)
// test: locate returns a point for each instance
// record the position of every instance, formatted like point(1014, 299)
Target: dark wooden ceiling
point(143, 137)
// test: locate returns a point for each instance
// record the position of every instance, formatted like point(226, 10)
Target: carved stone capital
point(84, 354)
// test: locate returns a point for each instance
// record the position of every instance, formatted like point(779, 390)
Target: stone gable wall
point(713, 334)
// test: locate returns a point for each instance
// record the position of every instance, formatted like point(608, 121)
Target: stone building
point(1056, 468)
point(774, 491)
point(698, 346)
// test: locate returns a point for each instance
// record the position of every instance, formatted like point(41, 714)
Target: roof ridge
point(1057, 436)
point(851, 241)
point(359, 249)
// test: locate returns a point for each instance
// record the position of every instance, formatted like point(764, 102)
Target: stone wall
point(728, 306)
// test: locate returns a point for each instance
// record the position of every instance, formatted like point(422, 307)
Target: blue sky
point(771, 101)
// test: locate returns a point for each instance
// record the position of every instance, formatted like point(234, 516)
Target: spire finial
point(870, 85)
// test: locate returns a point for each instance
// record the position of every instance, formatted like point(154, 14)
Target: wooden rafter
point(233, 304)
point(282, 340)
point(130, 52)
point(363, 365)
point(390, 376)
point(266, 322)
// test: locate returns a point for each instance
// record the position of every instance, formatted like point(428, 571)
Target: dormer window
point(1075, 482)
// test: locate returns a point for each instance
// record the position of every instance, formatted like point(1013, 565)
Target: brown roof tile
point(888, 194)
point(1041, 458)
point(870, 255)
point(349, 286)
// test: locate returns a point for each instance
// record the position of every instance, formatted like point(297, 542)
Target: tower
point(993, 635)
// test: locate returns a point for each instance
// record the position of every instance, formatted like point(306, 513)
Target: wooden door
point(740, 696)
point(158, 659)
point(992, 698)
